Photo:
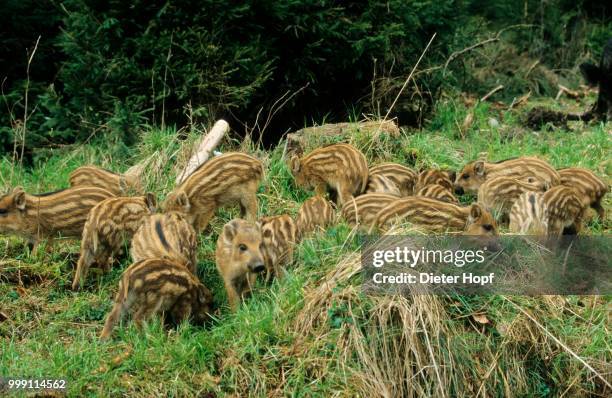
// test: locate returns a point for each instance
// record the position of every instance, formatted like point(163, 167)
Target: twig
point(12, 120)
point(572, 353)
point(274, 108)
point(272, 111)
point(470, 48)
point(532, 67)
point(25, 106)
point(521, 100)
point(284, 155)
point(406, 82)
point(570, 93)
point(165, 76)
point(482, 43)
point(490, 93)
point(431, 354)
point(456, 54)
point(488, 373)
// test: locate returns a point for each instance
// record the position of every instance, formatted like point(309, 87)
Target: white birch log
point(205, 149)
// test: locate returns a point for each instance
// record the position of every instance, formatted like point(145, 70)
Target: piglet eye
point(465, 176)
point(3, 211)
point(242, 247)
point(488, 227)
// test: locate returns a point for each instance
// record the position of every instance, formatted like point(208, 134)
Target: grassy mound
point(314, 333)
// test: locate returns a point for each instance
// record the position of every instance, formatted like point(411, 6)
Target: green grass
point(296, 337)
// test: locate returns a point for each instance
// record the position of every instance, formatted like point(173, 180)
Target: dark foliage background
point(103, 69)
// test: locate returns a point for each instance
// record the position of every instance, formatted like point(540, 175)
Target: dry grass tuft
point(402, 350)
point(414, 345)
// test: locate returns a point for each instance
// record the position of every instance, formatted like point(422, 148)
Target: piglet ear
point(19, 198)
point(229, 230)
point(151, 202)
point(183, 201)
point(123, 185)
point(475, 212)
point(452, 175)
point(295, 164)
point(479, 167)
point(205, 296)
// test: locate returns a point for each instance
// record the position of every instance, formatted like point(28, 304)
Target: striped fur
point(439, 192)
point(239, 258)
point(159, 286)
point(279, 236)
point(498, 194)
point(117, 184)
point(527, 215)
point(444, 178)
point(315, 213)
point(166, 235)
point(226, 180)
point(474, 174)
point(47, 215)
point(108, 225)
point(436, 215)
point(363, 209)
point(590, 187)
point(378, 183)
point(403, 177)
point(341, 169)
point(563, 208)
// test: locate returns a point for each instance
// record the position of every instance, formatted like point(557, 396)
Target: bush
point(541, 46)
point(116, 65)
point(24, 21)
point(164, 62)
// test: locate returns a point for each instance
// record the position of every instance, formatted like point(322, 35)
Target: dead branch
point(408, 78)
point(470, 48)
point(560, 343)
point(275, 108)
point(490, 93)
point(493, 39)
point(208, 143)
point(521, 100)
point(570, 93)
point(532, 67)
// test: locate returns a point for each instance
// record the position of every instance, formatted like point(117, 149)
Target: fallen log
point(296, 141)
point(205, 149)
